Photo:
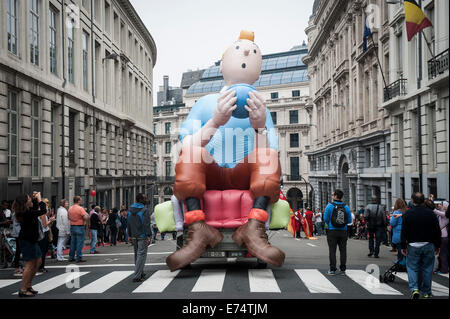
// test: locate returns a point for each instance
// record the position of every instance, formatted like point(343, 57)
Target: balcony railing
point(438, 65)
point(394, 89)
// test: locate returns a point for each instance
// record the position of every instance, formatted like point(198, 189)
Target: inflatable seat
point(223, 209)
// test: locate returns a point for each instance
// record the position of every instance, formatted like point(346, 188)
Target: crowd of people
point(418, 233)
point(40, 231)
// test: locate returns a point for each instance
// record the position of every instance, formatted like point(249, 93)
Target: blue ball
point(242, 91)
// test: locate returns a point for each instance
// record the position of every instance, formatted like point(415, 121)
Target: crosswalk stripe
point(262, 280)
point(57, 281)
point(104, 283)
point(7, 282)
point(316, 282)
point(157, 282)
point(371, 283)
point(436, 289)
point(210, 280)
point(445, 275)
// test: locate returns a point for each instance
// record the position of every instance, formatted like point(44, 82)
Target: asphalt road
point(303, 276)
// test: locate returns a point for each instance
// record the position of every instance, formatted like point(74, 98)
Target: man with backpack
point(376, 225)
point(337, 215)
point(139, 234)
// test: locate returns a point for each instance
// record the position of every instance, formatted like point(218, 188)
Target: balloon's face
point(241, 63)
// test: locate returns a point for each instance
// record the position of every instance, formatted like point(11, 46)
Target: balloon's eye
point(254, 51)
point(237, 47)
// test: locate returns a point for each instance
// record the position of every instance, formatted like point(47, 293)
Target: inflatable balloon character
point(229, 143)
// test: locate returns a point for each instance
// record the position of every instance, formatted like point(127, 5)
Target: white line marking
point(157, 282)
point(7, 282)
point(123, 254)
point(57, 281)
point(371, 283)
point(445, 275)
point(312, 245)
point(104, 283)
point(262, 280)
point(104, 265)
point(316, 282)
point(210, 280)
point(436, 289)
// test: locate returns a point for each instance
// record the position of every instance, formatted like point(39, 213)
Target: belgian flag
point(415, 19)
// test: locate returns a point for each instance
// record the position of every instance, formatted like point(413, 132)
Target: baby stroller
point(362, 232)
point(389, 275)
point(9, 246)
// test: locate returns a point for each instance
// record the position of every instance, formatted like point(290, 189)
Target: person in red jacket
point(309, 216)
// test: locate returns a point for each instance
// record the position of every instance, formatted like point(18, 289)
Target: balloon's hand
point(226, 104)
point(256, 108)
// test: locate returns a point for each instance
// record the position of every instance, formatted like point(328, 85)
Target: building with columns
point(75, 100)
point(352, 141)
point(284, 83)
point(420, 149)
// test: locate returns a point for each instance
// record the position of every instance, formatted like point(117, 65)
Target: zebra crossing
point(275, 281)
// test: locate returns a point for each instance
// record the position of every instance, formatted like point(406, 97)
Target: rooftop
point(277, 68)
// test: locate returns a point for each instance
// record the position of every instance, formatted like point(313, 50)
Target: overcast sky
point(193, 34)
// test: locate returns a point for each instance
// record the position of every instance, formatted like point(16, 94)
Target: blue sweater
point(396, 224)
point(329, 211)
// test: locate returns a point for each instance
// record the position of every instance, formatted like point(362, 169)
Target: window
point(376, 156)
point(402, 187)
point(72, 140)
point(52, 141)
point(154, 128)
point(368, 157)
point(34, 32)
point(367, 193)
point(168, 168)
point(432, 136)
point(11, 15)
point(415, 185)
point(70, 48)
point(432, 186)
point(52, 15)
point(155, 168)
point(13, 124)
point(293, 117)
point(35, 132)
point(107, 17)
point(296, 93)
point(293, 140)
point(167, 125)
point(295, 167)
point(274, 117)
point(168, 147)
point(154, 148)
point(388, 155)
point(84, 39)
point(274, 95)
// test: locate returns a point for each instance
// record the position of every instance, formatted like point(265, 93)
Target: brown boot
point(199, 236)
point(253, 235)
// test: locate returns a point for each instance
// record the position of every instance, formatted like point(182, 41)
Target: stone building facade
point(351, 141)
point(284, 83)
point(401, 102)
point(75, 100)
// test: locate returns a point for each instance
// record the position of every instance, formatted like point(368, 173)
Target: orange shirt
point(76, 213)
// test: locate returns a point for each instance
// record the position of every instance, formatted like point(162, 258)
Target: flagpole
point(428, 43)
point(378, 59)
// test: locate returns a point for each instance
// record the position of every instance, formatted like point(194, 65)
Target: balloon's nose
point(246, 52)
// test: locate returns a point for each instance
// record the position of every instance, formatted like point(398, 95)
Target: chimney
point(166, 87)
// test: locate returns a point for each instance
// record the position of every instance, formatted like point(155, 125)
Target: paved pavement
point(303, 276)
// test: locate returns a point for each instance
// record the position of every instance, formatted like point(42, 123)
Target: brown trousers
point(196, 171)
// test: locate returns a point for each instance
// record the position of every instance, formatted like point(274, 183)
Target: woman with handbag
point(27, 211)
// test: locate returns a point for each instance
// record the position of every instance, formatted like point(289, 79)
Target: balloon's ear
point(221, 66)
